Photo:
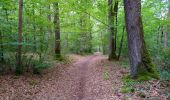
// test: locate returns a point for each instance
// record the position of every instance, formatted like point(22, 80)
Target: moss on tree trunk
point(147, 62)
point(141, 64)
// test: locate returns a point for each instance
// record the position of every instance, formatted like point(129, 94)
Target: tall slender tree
point(1, 47)
point(116, 5)
point(121, 43)
point(49, 19)
point(140, 61)
point(57, 30)
point(19, 53)
point(111, 30)
point(34, 27)
point(167, 28)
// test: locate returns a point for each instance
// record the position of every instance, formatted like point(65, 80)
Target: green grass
point(60, 58)
point(106, 75)
point(32, 82)
point(127, 89)
point(128, 83)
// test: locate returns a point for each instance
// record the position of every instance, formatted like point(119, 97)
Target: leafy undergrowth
point(28, 85)
point(114, 75)
point(152, 89)
point(127, 89)
point(144, 88)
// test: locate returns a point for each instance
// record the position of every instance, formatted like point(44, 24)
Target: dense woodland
point(36, 33)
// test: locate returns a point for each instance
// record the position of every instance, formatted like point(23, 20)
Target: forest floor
point(90, 77)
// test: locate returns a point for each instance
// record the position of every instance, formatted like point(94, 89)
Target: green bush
point(166, 59)
point(164, 66)
point(38, 66)
point(31, 62)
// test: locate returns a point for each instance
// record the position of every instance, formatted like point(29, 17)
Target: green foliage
point(124, 62)
point(38, 66)
point(144, 77)
point(106, 75)
point(61, 58)
point(128, 81)
point(164, 65)
point(150, 67)
point(165, 75)
point(32, 82)
point(127, 89)
point(142, 94)
point(166, 59)
point(128, 84)
point(168, 96)
point(84, 30)
point(35, 35)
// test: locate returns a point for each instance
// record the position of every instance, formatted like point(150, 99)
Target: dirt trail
point(79, 82)
point(83, 80)
point(86, 78)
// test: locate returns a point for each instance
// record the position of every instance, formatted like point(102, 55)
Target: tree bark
point(49, 19)
point(34, 28)
point(111, 30)
point(116, 20)
point(166, 40)
point(167, 28)
point(19, 53)
point(168, 8)
point(2, 48)
point(121, 43)
point(140, 61)
point(57, 30)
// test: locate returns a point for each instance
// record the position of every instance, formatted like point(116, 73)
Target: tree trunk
point(168, 8)
point(19, 53)
point(111, 30)
point(49, 19)
point(167, 28)
point(166, 40)
point(34, 28)
point(90, 35)
point(121, 43)
point(57, 30)
point(116, 20)
point(2, 48)
point(140, 61)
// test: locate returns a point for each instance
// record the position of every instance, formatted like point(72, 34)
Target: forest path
point(90, 77)
point(86, 78)
point(84, 81)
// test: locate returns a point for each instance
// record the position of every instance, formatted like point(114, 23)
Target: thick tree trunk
point(57, 30)
point(19, 53)
point(140, 61)
point(111, 30)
